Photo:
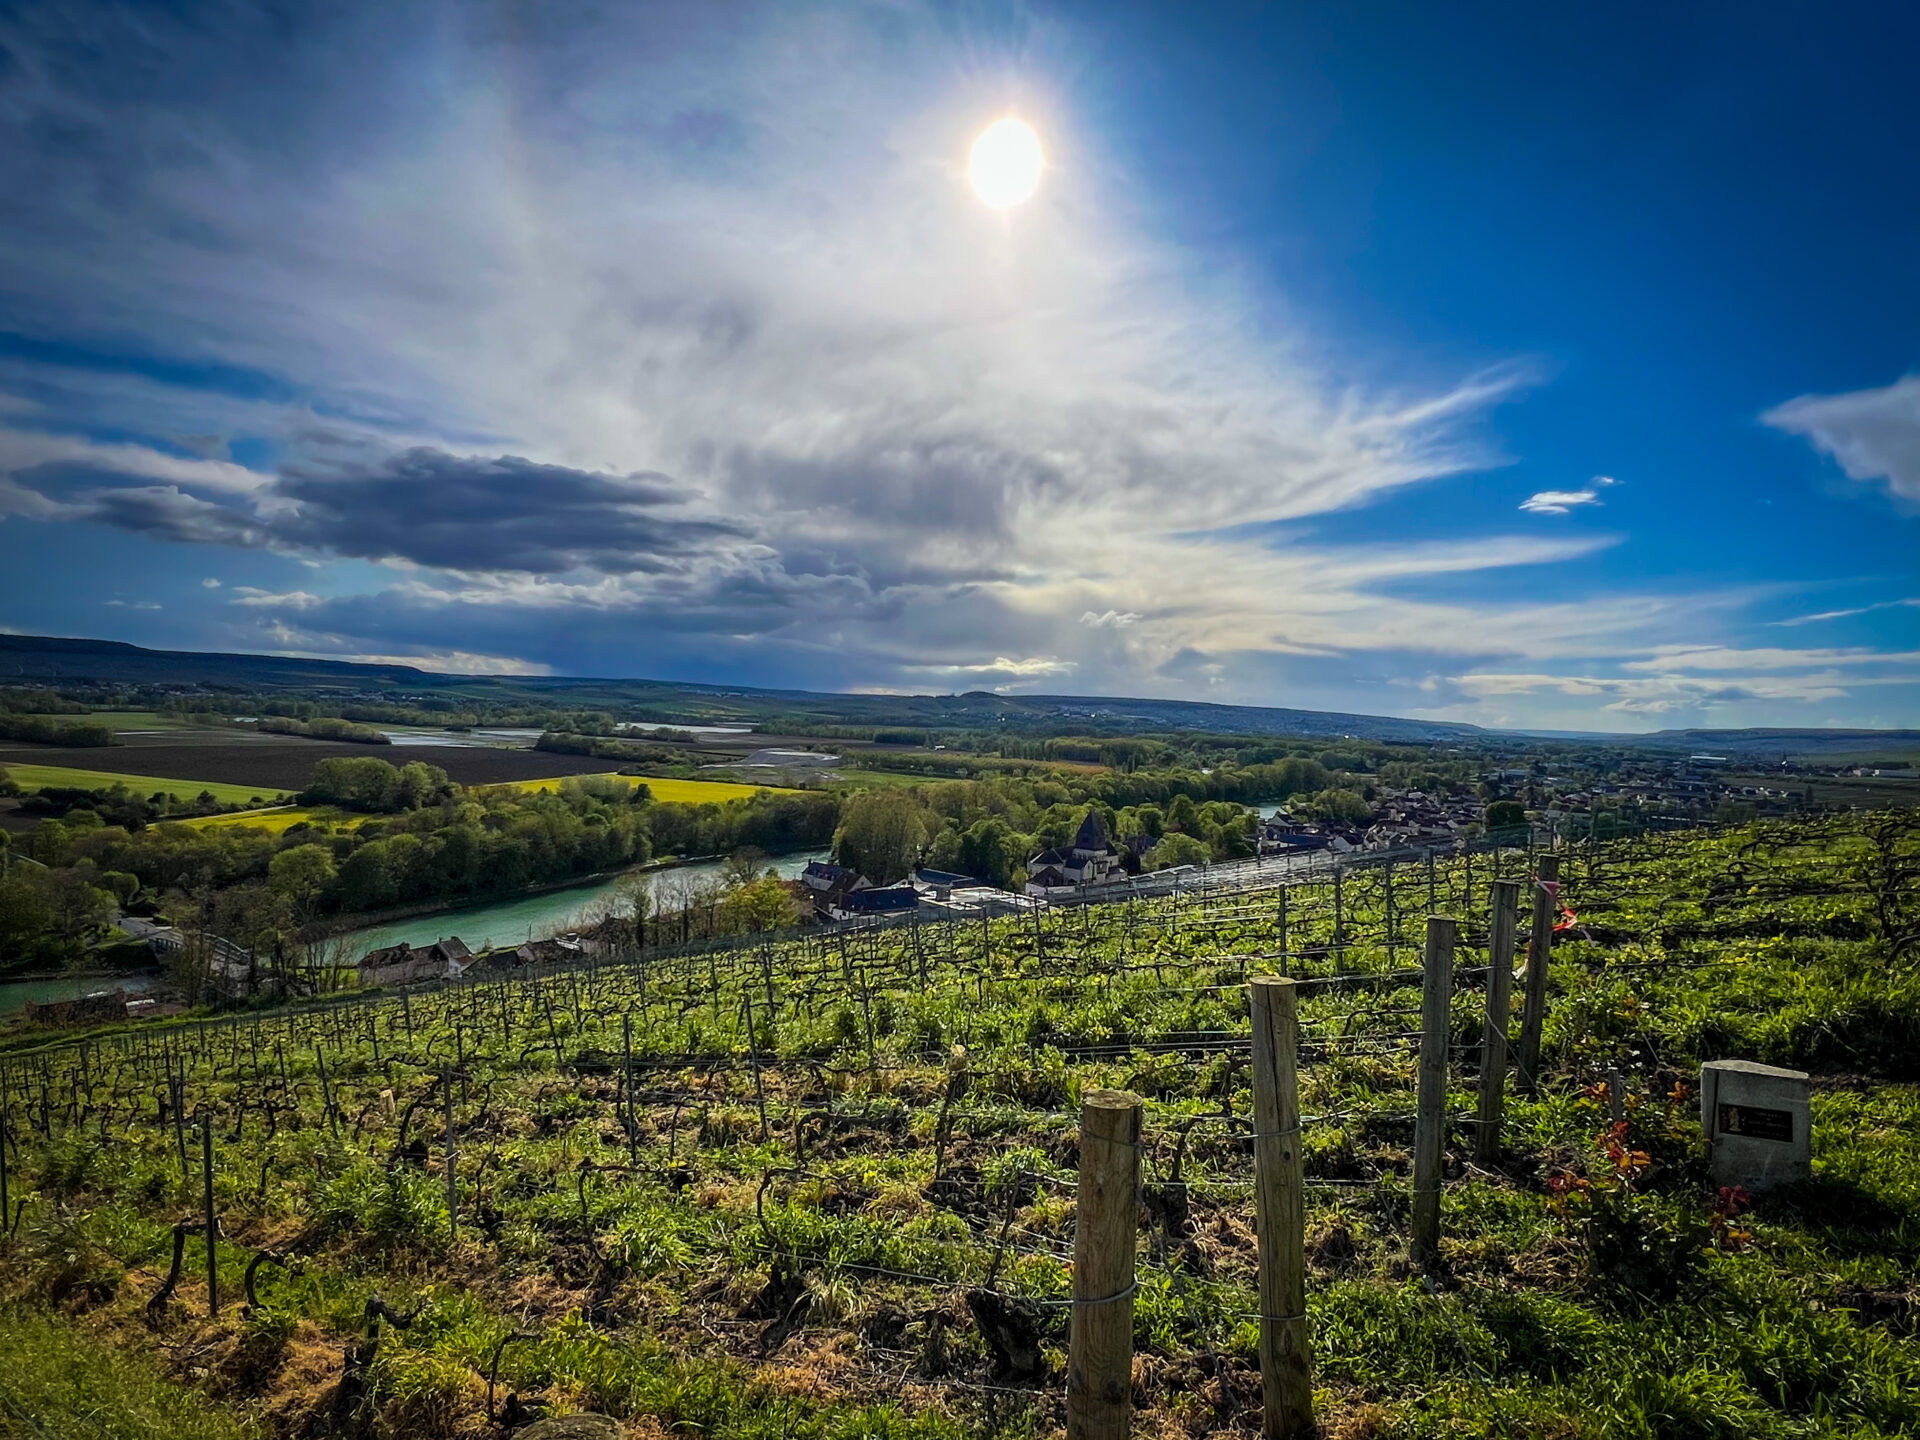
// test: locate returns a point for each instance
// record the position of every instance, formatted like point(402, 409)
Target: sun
point(1006, 163)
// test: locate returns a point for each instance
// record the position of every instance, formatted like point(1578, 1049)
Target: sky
point(1538, 367)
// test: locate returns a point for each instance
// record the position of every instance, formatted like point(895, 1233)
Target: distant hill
point(1760, 744)
point(44, 659)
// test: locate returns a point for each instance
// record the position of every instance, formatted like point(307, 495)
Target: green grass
point(40, 777)
point(136, 719)
point(58, 1384)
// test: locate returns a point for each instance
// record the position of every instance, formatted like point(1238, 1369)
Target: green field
point(41, 777)
point(136, 719)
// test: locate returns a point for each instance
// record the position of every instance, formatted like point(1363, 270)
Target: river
point(505, 922)
point(511, 922)
point(18, 994)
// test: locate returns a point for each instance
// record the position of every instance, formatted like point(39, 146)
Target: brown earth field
point(278, 762)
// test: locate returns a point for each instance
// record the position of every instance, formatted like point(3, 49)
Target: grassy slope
point(1696, 948)
point(135, 719)
point(58, 1383)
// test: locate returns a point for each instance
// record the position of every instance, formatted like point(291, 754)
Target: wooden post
point(452, 1162)
point(753, 1057)
point(1280, 1210)
point(332, 1116)
point(1430, 1122)
point(213, 1225)
point(1339, 930)
point(6, 1116)
point(1100, 1345)
point(1386, 890)
point(1539, 954)
point(1286, 965)
point(632, 1121)
point(1505, 920)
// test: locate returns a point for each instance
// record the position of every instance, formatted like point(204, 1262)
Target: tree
point(1506, 815)
point(762, 904)
point(299, 875)
point(881, 834)
point(1177, 849)
point(989, 850)
point(1344, 806)
point(743, 866)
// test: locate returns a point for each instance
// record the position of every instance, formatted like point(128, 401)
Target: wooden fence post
point(6, 1121)
point(1505, 921)
point(1539, 955)
point(1339, 926)
point(1430, 1122)
point(213, 1225)
point(451, 1158)
point(1106, 1220)
point(1280, 1210)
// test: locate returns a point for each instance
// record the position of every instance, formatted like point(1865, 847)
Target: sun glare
point(1006, 163)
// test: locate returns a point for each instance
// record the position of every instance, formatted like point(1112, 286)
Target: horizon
point(1506, 370)
point(1031, 696)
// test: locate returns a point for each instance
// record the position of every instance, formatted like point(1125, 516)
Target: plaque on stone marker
point(1757, 1124)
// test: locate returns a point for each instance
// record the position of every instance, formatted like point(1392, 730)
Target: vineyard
point(839, 1183)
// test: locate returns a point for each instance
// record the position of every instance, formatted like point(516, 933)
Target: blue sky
point(1536, 369)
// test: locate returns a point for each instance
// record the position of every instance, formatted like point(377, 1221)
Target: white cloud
point(266, 599)
point(1110, 619)
point(1848, 614)
point(447, 662)
point(1559, 502)
point(1873, 435)
point(1029, 669)
point(210, 583)
point(1721, 657)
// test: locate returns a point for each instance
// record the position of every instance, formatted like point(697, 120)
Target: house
point(402, 964)
point(1089, 860)
point(1287, 839)
point(878, 900)
point(839, 892)
point(557, 950)
point(823, 877)
point(940, 884)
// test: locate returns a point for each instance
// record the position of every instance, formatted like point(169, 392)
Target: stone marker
point(572, 1427)
point(1758, 1122)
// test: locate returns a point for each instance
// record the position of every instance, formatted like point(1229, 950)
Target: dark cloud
point(444, 511)
point(166, 513)
point(472, 513)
